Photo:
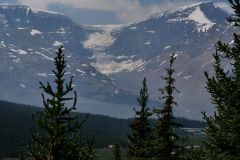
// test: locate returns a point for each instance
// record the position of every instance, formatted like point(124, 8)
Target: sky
point(105, 11)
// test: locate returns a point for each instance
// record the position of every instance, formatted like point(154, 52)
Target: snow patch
point(151, 32)
point(231, 42)
point(93, 74)
point(61, 31)
point(20, 28)
point(178, 19)
point(57, 44)
point(163, 62)
point(147, 43)
point(84, 65)
point(22, 85)
point(167, 47)
point(99, 41)
point(78, 70)
point(104, 81)
point(175, 55)
point(141, 69)
point(49, 58)
point(2, 45)
point(20, 51)
point(180, 73)
point(133, 28)
point(203, 23)
point(35, 32)
point(14, 50)
point(187, 77)
point(42, 74)
point(208, 63)
point(34, 10)
point(12, 56)
point(16, 60)
point(106, 65)
point(3, 20)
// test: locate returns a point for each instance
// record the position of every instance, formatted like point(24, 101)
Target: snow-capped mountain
point(109, 62)
point(28, 40)
point(141, 49)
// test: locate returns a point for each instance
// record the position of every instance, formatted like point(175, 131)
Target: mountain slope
point(29, 38)
point(141, 49)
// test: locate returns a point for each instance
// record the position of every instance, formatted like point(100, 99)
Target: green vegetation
point(59, 129)
point(223, 127)
point(117, 153)
point(140, 127)
point(164, 142)
point(16, 119)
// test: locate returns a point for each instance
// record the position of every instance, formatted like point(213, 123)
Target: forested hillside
point(16, 120)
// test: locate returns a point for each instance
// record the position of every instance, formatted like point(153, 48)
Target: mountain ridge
point(28, 42)
point(141, 49)
point(110, 62)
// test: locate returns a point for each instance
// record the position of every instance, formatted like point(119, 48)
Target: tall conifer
point(141, 129)
point(223, 128)
point(165, 140)
point(59, 136)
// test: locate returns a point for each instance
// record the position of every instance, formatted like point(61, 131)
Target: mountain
point(109, 61)
point(29, 38)
point(128, 53)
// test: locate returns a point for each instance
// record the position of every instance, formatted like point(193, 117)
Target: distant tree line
point(16, 119)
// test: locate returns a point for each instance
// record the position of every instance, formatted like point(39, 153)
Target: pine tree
point(164, 144)
point(141, 129)
point(117, 152)
point(59, 136)
point(223, 127)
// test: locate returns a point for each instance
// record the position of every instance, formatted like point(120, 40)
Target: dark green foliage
point(117, 152)
point(141, 129)
point(16, 119)
point(164, 144)
point(192, 154)
point(223, 127)
point(60, 129)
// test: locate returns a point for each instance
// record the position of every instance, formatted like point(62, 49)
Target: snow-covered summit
point(203, 14)
point(24, 9)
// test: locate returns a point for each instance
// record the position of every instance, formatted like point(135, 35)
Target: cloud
point(126, 10)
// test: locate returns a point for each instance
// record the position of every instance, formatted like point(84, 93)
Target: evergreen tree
point(223, 127)
point(59, 136)
point(192, 154)
point(141, 129)
point(117, 152)
point(164, 145)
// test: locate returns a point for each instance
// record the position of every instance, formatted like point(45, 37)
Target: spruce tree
point(164, 144)
point(141, 129)
point(59, 136)
point(223, 128)
point(117, 152)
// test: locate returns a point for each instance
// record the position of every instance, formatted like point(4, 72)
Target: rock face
point(29, 38)
point(142, 49)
